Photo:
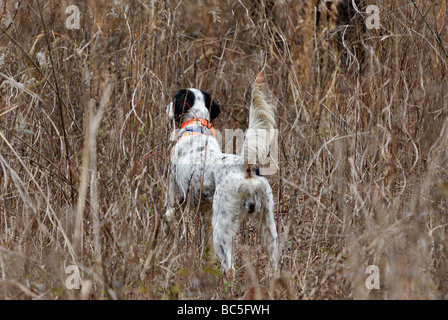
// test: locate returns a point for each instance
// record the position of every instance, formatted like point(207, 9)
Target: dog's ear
point(211, 105)
point(215, 110)
point(182, 102)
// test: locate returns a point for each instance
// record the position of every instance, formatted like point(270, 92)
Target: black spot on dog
point(222, 253)
point(211, 105)
point(183, 101)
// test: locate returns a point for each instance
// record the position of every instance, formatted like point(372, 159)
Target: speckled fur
point(219, 183)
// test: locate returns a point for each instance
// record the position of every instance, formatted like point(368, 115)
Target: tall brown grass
point(363, 146)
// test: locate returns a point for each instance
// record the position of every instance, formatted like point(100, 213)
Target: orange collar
point(201, 121)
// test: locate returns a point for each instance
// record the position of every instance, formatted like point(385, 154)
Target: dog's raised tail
point(261, 125)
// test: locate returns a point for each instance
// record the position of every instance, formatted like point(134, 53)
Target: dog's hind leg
point(225, 223)
point(223, 241)
point(268, 230)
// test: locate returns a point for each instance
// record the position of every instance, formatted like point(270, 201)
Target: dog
point(227, 188)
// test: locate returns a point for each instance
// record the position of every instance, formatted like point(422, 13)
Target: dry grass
point(363, 146)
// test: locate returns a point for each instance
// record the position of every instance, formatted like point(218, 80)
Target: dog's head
point(192, 103)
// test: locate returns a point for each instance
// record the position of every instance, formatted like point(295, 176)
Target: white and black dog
point(226, 188)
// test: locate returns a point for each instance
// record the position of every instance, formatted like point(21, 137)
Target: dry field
point(84, 146)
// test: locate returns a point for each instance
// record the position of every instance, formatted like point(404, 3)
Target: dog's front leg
point(169, 203)
point(206, 230)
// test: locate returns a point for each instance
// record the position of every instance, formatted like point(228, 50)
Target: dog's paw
point(229, 274)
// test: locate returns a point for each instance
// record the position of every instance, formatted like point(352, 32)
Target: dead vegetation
point(84, 146)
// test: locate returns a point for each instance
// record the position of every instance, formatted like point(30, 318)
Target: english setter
point(228, 188)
